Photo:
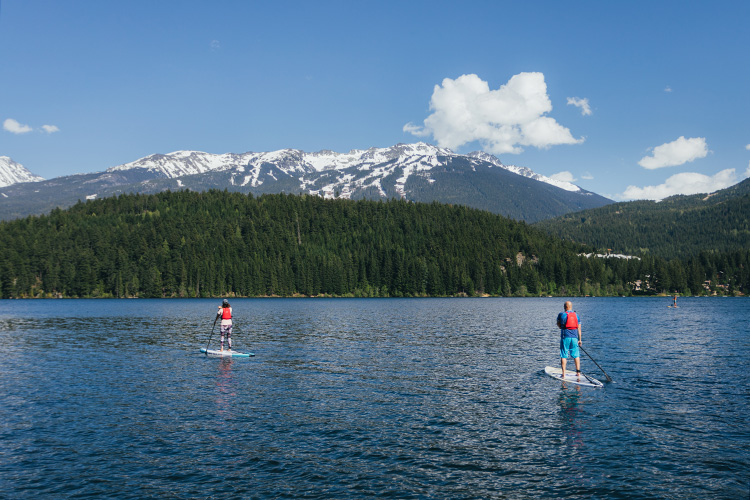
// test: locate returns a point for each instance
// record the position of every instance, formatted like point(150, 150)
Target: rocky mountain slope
point(415, 172)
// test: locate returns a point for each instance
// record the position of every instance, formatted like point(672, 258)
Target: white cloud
point(581, 103)
point(747, 147)
point(587, 176)
point(564, 176)
point(50, 129)
point(14, 127)
point(667, 89)
point(747, 172)
point(215, 45)
point(503, 120)
point(684, 183)
point(416, 130)
point(675, 153)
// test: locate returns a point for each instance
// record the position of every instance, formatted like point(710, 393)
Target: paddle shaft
point(587, 377)
point(209, 337)
point(609, 379)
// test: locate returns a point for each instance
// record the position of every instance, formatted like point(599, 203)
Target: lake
point(360, 398)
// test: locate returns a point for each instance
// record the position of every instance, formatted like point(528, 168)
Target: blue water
point(358, 398)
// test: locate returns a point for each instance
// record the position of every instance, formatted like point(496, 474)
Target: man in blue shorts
point(570, 330)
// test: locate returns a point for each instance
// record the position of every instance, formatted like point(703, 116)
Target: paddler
point(570, 330)
point(225, 327)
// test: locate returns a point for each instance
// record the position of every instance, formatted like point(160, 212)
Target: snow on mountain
point(526, 172)
point(182, 163)
point(372, 165)
point(12, 173)
point(357, 169)
point(345, 172)
point(415, 172)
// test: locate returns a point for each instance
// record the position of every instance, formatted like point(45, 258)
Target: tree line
point(679, 226)
point(218, 243)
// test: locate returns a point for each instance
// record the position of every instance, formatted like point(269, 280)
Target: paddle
point(609, 379)
point(212, 334)
point(588, 378)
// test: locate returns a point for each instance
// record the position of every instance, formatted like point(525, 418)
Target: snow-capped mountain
point(181, 163)
point(526, 172)
point(372, 164)
point(12, 173)
point(414, 172)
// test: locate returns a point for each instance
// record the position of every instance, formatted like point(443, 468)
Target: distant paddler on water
point(570, 332)
point(225, 327)
point(570, 342)
point(225, 314)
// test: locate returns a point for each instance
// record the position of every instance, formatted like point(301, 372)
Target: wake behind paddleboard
point(226, 354)
point(572, 377)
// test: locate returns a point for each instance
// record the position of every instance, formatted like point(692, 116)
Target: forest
point(680, 226)
point(224, 244)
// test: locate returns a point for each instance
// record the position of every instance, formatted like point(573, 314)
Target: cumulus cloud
point(503, 120)
point(581, 103)
point(564, 176)
point(14, 127)
point(675, 153)
point(684, 183)
point(50, 129)
point(667, 89)
point(587, 176)
point(747, 147)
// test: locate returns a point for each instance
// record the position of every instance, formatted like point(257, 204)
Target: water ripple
point(437, 398)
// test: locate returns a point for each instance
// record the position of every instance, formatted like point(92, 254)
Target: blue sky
point(626, 99)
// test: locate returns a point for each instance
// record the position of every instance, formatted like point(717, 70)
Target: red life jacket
point(226, 313)
point(571, 322)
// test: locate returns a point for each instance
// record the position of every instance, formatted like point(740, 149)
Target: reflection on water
point(224, 388)
point(569, 400)
point(436, 398)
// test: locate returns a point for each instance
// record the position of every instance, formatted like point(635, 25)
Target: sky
point(631, 100)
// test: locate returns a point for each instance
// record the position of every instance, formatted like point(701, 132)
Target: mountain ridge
point(415, 172)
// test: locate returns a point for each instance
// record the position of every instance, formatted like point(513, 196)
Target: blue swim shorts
point(569, 347)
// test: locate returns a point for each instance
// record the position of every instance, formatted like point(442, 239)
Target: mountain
point(415, 172)
point(12, 173)
point(679, 226)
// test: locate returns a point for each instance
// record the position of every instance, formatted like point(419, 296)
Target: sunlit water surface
point(413, 398)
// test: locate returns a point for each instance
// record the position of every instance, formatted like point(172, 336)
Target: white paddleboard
point(226, 353)
point(572, 377)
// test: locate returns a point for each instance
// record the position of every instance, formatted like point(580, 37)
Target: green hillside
point(680, 226)
point(188, 244)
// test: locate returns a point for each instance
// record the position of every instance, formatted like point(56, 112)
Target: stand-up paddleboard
point(226, 354)
point(572, 377)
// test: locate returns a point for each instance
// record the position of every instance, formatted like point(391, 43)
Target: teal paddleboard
point(226, 353)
